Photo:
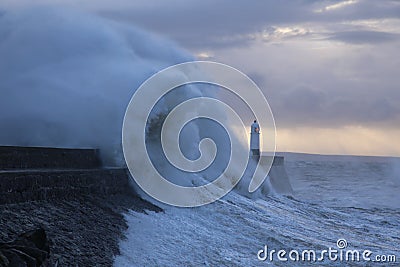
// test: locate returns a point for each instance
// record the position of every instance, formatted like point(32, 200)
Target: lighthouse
point(255, 139)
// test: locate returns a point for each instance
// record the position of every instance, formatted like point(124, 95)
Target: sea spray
point(67, 77)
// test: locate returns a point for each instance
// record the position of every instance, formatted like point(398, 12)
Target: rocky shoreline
point(82, 231)
point(66, 193)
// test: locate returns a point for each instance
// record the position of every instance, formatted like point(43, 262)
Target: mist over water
point(67, 77)
point(395, 170)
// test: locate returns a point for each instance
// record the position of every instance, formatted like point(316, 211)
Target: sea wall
point(41, 173)
point(34, 185)
point(276, 182)
point(16, 157)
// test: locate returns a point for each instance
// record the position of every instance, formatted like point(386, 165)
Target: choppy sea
point(345, 205)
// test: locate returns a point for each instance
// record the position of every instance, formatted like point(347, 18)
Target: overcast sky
point(330, 69)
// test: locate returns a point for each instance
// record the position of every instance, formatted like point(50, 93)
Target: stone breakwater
point(45, 184)
point(66, 192)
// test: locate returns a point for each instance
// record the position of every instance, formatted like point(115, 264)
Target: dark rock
point(84, 231)
point(30, 249)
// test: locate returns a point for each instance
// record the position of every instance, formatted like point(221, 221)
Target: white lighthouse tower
point(255, 139)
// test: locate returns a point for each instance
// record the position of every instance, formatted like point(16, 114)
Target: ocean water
point(356, 199)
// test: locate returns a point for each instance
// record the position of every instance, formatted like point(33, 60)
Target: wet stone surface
point(83, 231)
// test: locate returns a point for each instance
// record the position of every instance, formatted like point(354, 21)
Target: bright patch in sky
point(337, 6)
